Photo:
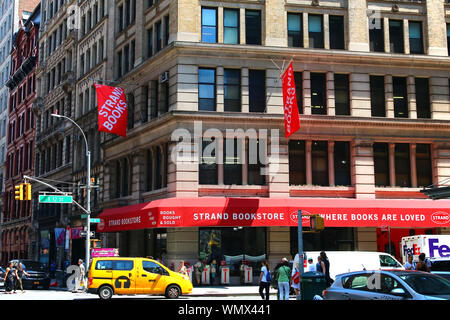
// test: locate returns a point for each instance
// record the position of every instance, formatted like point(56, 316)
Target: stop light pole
point(300, 252)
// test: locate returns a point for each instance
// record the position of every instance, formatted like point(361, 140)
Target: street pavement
point(199, 293)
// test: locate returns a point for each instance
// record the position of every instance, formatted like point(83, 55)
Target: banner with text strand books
point(112, 110)
point(290, 108)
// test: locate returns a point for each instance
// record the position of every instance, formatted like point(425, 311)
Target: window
point(231, 26)
point(319, 156)
point(388, 261)
point(400, 97)
point(337, 40)
point(104, 265)
point(119, 64)
point(295, 31)
point(423, 165)
point(256, 159)
point(206, 89)
point(123, 265)
point(149, 170)
point(253, 27)
point(318, 93)
point(415, 37)
point(297, 163)
point(342, 163)
point(232, 90)
point(150, 42)
point(422, 98)
point(377, 96)
point(315, 25)
point(342, 94)
point(448, 38)
point(207, 171)
point(120, 19)
point(257, 90)
point(153, 267)
point(158, 36)
point(381, 164)
point(402, 165)
point(209, 25)
point(396, 36)
point(154, 107)
point(232, 161)
point(166, 30)
point(298, 79)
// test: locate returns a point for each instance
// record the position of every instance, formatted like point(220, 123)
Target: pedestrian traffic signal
point(316, 223)
point(18, 192)
point(27, 191)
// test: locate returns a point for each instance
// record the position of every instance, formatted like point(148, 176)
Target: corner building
point(372, 84)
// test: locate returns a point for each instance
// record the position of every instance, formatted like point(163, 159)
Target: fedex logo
point(443, 251)
point(415, 250)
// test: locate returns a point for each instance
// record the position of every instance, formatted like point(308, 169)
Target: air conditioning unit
point(164, 77)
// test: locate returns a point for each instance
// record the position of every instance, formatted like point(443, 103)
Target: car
point(38, 274)
point(2, 276)
point(441, 267)
point(388, 285)
point(128, 276)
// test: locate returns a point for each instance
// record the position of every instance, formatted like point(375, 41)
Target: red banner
point(291, 116)
point(112, 110)
point(232, 212)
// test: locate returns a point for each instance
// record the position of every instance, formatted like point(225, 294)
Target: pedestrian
point(319, 264)
point(264, 280)
point(284, 275)
point(213, 271)
point(198, 271)
point(311, 266)
point(182, 269)
point(422, 265)
point(410, 265)
point(10, 278)
point(20, 272)
point(79, 280)
point(296, 278)
point(325, 264)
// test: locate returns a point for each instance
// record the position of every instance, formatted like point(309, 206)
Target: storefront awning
point(264, 212)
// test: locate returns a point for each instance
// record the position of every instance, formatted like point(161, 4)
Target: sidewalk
point(224, 291)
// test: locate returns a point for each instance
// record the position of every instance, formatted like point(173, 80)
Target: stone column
point(406, 36)
point(392, 164)
point(412, 161)
point(412, 97)
point(185, 19)
point(389, 92)
point(278, 163)
point(331, 163)
point(441, 163)
point(220, 89)
point(307, 92)
point(308, 162)
point(358, 26)
point(245, 90)
point(305, 30)
point(363, 173)
point(326, 31)
point(360, 105)
point(439, 92)
point(436, 28)
point(274, 92)
point(330, 94)
point(275, 23)
point(387, 44)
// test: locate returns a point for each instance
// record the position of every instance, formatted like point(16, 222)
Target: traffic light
point(316, 223)
point(27, 191)
point(19, 192)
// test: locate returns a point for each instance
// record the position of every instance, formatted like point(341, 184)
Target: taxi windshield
point(427, 284)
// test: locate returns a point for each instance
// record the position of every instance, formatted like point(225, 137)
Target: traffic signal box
point(23, 191)
point(316, 223)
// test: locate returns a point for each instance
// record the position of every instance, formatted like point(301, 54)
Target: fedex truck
point(435, 247)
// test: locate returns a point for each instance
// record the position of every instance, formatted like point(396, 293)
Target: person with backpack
point(284, 277)
point(265, 278)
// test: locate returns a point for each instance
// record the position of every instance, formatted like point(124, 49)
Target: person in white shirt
point(311, 266)
point(410, 265)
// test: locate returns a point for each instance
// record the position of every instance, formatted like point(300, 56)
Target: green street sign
point(55, 199)
point(94, 220)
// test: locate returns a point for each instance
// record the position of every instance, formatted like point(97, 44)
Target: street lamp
point(88, 187)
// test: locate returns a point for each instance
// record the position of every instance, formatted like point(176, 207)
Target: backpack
point(268, 276)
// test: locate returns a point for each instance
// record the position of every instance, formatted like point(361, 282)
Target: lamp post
point(88, 191)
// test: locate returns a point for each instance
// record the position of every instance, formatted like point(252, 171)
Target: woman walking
point(264, 280)
point(284, 273)
point(10, 278)
point(20, 272)
point(325, 264)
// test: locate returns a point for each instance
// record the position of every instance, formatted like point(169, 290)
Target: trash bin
point(312, 283)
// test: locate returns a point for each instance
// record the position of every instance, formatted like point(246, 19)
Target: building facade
point(54, 136)
point(368, 75)
point(16, 223)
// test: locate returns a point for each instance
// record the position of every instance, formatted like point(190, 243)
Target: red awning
point(263, 212)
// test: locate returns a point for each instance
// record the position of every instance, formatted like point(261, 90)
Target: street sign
point(84, 233)
point(95, 220)
point(55, 199)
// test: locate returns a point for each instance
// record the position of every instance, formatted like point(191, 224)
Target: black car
point(441, 268)
point(38, 274)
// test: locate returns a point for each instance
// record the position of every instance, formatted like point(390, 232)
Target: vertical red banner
point(291, 116)
point(112, 110)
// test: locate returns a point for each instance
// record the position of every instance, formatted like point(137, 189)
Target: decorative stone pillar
point(412, 161)
point(392, 164)
point(363, 172)
point(412, 97)
point(331, 179)
point(436, 28)
point(308, 166)
point(358, 26)
point(275, 23)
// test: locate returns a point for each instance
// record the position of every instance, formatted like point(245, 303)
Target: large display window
point(234, 246)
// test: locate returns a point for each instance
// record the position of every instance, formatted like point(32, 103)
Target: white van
point(349, 261)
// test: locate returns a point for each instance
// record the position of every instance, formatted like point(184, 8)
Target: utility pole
point(300, 252)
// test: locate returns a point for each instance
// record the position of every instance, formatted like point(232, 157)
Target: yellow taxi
point(128, 276)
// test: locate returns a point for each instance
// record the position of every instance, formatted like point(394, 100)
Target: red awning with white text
point(265, 212)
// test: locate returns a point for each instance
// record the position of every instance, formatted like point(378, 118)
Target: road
point(67, 296)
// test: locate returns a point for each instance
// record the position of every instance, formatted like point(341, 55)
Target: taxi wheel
point(105, 293)
point(173, 292)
